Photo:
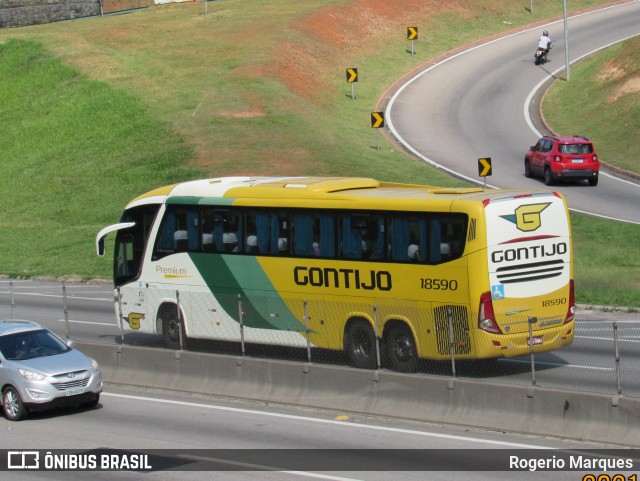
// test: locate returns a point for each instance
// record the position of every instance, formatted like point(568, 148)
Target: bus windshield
point(130, 243)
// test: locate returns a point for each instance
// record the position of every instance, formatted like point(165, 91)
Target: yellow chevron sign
point(352, 75)
point(412, 33)
point(377, 120)
point(484, 166)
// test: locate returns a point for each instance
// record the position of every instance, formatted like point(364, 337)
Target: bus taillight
point(571, 312)
point(486, 316)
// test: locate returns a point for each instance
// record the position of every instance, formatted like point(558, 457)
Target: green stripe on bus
point(261, 304)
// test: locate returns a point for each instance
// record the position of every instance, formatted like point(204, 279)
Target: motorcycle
point(541, 55)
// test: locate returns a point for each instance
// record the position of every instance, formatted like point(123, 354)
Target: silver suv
point(40, 371)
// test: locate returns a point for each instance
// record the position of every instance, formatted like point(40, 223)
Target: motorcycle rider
point(544, 42)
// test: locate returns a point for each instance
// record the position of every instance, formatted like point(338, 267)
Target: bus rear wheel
point(401, 349)
point(360, 345)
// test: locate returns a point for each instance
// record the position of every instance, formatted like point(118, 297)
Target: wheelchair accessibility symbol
point(497, 292)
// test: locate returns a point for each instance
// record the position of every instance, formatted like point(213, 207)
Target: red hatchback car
point(562, 159)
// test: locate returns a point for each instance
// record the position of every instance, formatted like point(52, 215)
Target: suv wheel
point(548, 180)
point(12, 405)
point(527, 168)
point(593, 181)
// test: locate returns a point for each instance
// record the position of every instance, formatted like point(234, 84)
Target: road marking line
point(326, 421)
point(90, 322)
point(578, 366)
point(597, 338)
point(59, 296)
point(264, 467)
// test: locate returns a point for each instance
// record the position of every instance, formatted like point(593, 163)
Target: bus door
point(131, 295)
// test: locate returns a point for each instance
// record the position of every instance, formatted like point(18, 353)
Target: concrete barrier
point(534, 410)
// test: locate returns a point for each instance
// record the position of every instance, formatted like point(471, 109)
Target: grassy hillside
point(99, 110)
point(602, 102)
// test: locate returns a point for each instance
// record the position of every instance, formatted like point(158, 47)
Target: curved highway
point(476, 104)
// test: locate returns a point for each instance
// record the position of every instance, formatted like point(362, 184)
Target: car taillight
point(486, 317)
point(557, 158)
point(595, 158)
point(571, 311)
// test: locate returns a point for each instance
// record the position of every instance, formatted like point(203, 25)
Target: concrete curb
point(523, 409)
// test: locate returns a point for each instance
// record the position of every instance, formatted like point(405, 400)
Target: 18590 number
point(439, 284)
point(554, 302)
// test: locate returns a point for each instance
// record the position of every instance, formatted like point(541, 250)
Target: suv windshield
point(31, 344)
point(575, 148)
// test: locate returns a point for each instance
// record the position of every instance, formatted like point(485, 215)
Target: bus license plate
point(536, 340)
point(75, 392)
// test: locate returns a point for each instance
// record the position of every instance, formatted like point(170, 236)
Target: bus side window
point(376, 238)
point(180, 241)
point(230, 242)
point(272, 232)
point(126, 264)
point(251, 246)
point(418, 239)
point(221, 229)
point(351, 239)
point(165, 241)
point(447, 238)
point(435, 250)
point(458, 234)
point(207, 242)
point(303, 234)
point(400, 239)
point(324, 223)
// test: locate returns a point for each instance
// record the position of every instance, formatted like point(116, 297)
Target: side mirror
point(533, 147)
point(71, 343)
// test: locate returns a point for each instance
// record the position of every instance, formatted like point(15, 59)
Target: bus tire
point(402, 354)
point(168, 319)
point(360, 345)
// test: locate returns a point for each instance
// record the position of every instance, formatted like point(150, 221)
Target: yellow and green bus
point(348, 264)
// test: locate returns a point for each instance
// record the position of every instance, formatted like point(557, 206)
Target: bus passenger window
point(251, 245)
point(448, 237)
point(325, 230)
point(283, 246)
point(303, 234)
point(180, 241)
point(207, 242)
point(413, 252)
point(230, 242)
point(352, 243)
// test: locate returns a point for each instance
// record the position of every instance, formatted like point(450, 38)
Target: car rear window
point(575, 148)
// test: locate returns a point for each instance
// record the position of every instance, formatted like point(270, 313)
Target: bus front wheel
point(360, 345)
point(401, 349)
point(171, 328)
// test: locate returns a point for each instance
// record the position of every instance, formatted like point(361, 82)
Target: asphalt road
point(205, 438)
point(589, 364)
point(477, 104)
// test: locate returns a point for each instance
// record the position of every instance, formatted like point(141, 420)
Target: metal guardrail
point(605, 350)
